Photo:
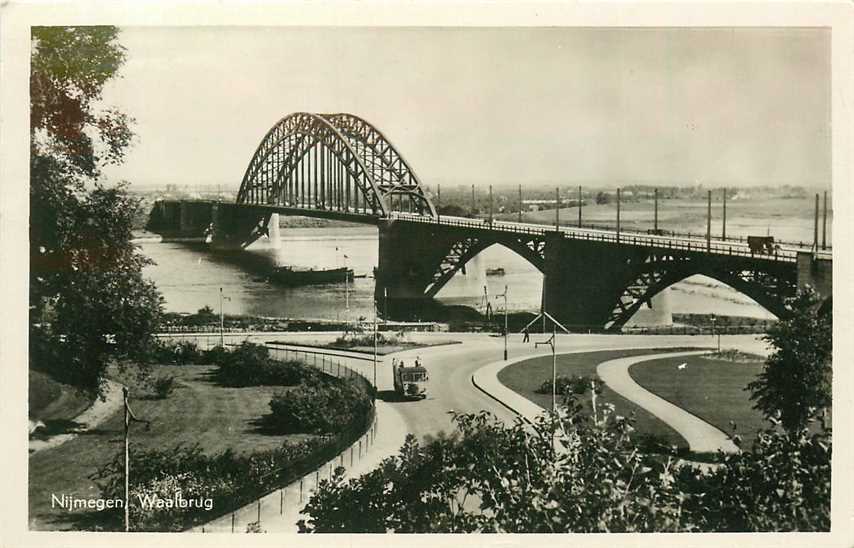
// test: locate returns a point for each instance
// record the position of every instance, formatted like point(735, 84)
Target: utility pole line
point(824, 224)
point(655, 219)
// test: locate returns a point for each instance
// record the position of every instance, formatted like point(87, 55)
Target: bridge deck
point(787, 252)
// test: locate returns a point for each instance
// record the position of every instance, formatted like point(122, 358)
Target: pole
point(593, 401)
point(618, 215)
point(385, 304)
point(824, 224)
point(709, 222)
point(221, 321)
point(472, 200)
point(723, 231)
point(346, 290)
point(554, 368)
point(490, 205)
point(438, 200)
point(557, 208)
point(505, 323)
point(520, 203)
point(655, 219)
point(815, 226)
point(375, 346)
point(127, 460)
point(580, 202)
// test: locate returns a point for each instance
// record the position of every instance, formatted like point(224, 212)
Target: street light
point(221, 321)
point(716, 332)
point(375, 346)
point(505, 320)
point(552, 342)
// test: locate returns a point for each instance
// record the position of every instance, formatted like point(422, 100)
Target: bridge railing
point(715, 246)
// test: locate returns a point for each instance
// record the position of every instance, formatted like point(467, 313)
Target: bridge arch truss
point(332, 162)
point(769, 283)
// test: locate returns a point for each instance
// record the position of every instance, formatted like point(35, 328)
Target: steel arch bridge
point(332, 163)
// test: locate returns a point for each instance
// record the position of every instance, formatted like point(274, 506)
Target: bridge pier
point(581, 284)
point(817, 273)
point(235, 227)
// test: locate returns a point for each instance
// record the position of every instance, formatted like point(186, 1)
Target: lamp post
point(375, 346)
point(129, 416)
point(715, 331)
point(552, 342)
point(505, 320)
point(221, 321)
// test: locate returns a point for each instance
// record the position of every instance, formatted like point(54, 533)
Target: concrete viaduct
point(338, 166)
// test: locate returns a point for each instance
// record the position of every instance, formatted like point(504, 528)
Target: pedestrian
point(418, 361)
point(527, 337)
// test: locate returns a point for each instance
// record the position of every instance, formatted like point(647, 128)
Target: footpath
point(700, 435)
point(95, 414)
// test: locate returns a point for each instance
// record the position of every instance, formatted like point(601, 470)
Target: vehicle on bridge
point(410, 382)
point(762, 245)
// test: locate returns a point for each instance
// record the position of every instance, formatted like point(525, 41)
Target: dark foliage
point(88, 299)
point(797, 380)
point(574, 384)
point(321, 405)
point(251, 365)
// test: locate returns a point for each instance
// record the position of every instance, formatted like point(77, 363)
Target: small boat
point(495, 271)
point(289, 275)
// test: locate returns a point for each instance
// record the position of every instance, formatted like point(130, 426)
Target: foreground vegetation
point(571, 475)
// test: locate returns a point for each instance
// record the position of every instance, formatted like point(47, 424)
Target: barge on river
point(290, 275)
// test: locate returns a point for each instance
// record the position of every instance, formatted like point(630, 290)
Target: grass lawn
point(711, 389)
point(526, 376)
point(198, 411)
point(50, 400)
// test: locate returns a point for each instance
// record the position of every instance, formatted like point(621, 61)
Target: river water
point(190, 277)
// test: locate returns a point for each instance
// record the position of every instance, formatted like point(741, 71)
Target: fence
point(345, 449)
point(729, 247)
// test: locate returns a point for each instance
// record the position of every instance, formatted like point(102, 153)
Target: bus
point(410, 382)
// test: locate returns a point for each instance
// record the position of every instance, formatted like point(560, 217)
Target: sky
point(599, 106)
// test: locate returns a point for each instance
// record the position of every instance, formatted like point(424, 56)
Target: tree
point(796, 382)
point(602, 198)
point(88, 299)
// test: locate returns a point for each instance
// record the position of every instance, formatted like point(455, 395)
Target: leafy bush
point(168, 352)
point(565, 384)
point(353, 339)
point(163, 386)
point(321, 405)
point(251, 365)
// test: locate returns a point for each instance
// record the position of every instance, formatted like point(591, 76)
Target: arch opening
point(485, 275)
